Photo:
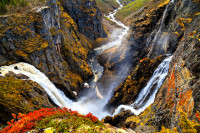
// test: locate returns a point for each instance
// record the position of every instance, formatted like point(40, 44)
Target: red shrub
point(25, 123)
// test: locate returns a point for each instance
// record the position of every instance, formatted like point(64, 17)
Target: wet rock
point(180, 90)
point(16, 68)
point(119, 119)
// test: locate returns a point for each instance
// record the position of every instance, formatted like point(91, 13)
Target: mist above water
point(95, 96)
point(147, 95)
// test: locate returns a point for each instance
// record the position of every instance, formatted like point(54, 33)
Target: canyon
point(132, 68)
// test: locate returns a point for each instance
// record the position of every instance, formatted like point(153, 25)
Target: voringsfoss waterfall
point(94, 100)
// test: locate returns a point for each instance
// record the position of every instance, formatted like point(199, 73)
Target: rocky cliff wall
point(20, 95)
point(48, 38)
point(178, 35)
point(87, 16)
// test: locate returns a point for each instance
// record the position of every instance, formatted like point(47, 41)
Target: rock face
point(107, 6)
point(87, 16)
point(20, 96)
point(127, 92)
point(48, 38)
point(170, 28)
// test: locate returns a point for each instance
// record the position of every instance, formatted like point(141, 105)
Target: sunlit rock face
point(87, 16)
point(48, 38)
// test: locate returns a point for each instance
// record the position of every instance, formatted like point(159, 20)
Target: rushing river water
point(93, 100)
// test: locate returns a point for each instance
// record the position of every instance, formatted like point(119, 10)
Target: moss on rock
point(20, 96)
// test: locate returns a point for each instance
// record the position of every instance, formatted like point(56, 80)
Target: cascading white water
point(142, 101)
point(37, 76)
point(86, 103)
point(119, 35)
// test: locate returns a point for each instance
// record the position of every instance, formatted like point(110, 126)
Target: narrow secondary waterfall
point(88, 102)
point(143, 101)
point(158, 33)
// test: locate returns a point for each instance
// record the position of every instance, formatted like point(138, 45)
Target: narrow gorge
point(100, 66)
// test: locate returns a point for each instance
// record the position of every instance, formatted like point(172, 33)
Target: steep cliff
point(47, 37)
point(87, 16)
point(20, 95)
point(164, 27)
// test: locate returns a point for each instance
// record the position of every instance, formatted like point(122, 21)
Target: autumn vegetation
point(61, 119)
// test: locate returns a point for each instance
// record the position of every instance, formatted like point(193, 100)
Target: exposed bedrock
point(48, 38)
point(19, 95)
point(170, 28)
point(87, 16)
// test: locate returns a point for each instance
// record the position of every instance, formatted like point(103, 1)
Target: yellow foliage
point(181, 21)
point(177, 34)
point(49, 130)
point(21, 53)
point(187, 125)
point(164, 130)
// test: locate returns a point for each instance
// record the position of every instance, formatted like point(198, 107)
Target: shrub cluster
point(60, 119)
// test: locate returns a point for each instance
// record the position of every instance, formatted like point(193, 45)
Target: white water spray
point(143, 101)
point(37, 76)
point(87, 103)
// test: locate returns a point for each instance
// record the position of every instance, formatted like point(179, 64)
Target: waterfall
point(35, 75)
point(155, 82)
point(158, 33)
point(89, 102)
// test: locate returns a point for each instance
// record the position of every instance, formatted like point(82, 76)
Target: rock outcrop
point(175, 32)
point(20, 95)
point(87, 16)
point(107, 6)
point(127, 92)
point(48, 38)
